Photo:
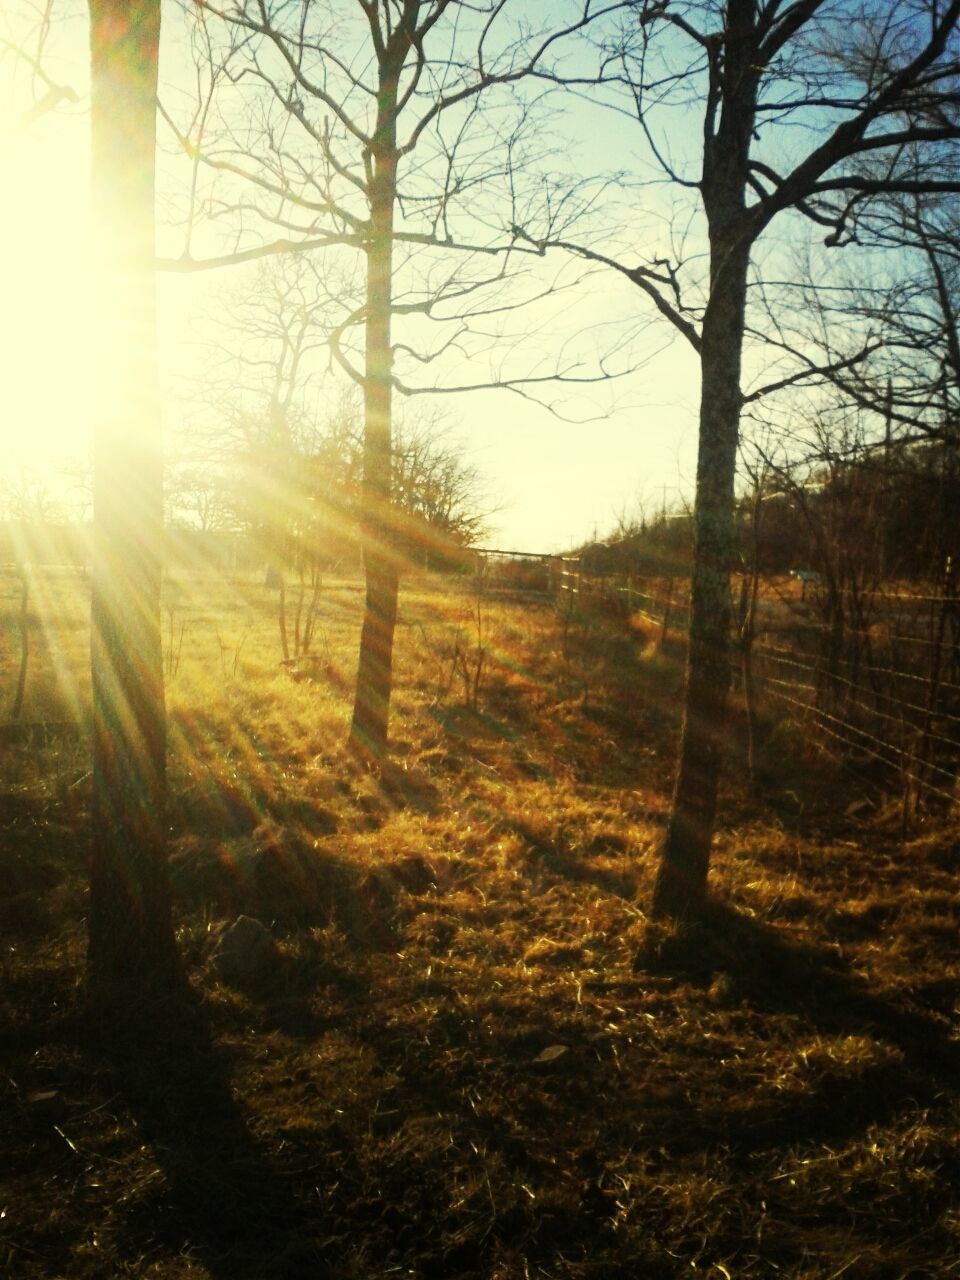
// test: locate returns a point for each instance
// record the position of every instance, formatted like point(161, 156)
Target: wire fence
point(878, 672)
point(875, 673)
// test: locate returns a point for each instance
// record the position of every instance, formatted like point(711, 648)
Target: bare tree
point(369, 136)
point(440, 497)
point(278, 439)
point(911, 382)
point(27, 506)
point(132, 953)
point(24, 36)
point(811, 108)
point(194, 497)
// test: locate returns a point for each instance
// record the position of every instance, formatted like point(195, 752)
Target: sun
point(49, 298)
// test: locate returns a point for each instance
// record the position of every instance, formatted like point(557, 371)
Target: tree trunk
point(24, 643)
point(371, 710)
point(131, 953)
point(685, 857)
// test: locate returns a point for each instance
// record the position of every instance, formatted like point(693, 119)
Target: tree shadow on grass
point(773, 973)
point(559, 1126)
point(221, 1199)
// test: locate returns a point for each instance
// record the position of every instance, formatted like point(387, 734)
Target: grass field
point(474, 1055)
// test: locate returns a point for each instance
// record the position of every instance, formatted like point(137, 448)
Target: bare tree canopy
point(403, 132)
point(24, 37)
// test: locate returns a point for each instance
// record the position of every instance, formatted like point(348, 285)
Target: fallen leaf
point(551, 1053)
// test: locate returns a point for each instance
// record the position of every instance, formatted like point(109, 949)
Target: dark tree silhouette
point(132, 954)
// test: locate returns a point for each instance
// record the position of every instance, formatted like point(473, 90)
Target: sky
point(554, 483)
point(47, 285)
point(609, 453)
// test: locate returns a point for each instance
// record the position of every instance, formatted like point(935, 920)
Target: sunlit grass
point(475, 1029)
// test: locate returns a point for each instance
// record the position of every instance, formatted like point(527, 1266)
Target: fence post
point(666, 614)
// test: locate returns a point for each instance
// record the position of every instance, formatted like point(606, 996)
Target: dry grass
point(477, 1058)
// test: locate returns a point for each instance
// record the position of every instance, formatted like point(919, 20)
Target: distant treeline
point(894, 510)
point(230, 551)
point(36, 543)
